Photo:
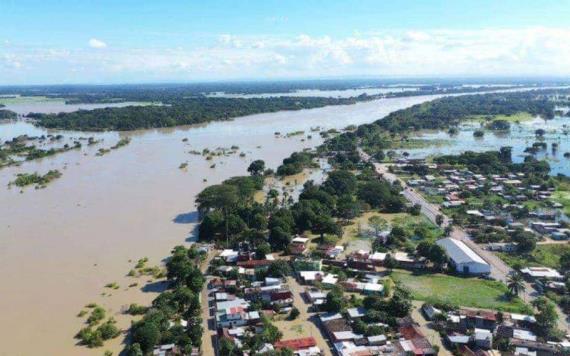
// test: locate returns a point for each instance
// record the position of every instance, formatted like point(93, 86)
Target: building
point(544, 273)
point(296, 344)
point(463, 258)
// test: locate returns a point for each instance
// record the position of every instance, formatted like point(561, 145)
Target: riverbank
point(61, 245)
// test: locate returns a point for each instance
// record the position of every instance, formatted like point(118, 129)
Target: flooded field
point(346, 93)
point(520, 136)
point(61, 245)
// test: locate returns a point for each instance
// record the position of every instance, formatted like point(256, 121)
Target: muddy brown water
point(60, 245)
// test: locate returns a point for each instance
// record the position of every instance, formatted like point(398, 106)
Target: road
point(209, 335)
point(427, 329)
point(306, 322)
point(499, 269)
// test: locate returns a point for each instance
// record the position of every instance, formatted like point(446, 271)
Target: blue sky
point(147, 41)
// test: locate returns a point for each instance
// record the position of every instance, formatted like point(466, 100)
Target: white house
point(464, 258)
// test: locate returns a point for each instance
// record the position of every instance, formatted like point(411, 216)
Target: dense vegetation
point(180, 302)
point(445, 112)
point(295, 163)
point(159, 92)
point(496, 162)
point(7, 114)
point(178, 111)
point(230, 214)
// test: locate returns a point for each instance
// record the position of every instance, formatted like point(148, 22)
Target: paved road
point(499, 269)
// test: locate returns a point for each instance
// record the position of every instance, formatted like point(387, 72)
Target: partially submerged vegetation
point(122, 142)
point(7, 115)
point(41, 181)
point(17, 150)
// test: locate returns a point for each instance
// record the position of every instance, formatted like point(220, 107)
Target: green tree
point(147, 335)
point(256, 167)
point(546, 317)
point(279, 269)
point(565, 260)
point(378, 223)
point(515, 284)
point(401, 303)
point(334, 301)
point(223, 197)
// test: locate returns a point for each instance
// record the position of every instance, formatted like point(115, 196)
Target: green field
point(467, 292)
point(543, 255)
point(27, 100)
point(518, 117)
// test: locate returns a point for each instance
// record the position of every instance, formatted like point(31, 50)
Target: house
point(334, 252)
point(334, 326)
point(296, 344)
point(502, 246)
point(166, 350)
point(231, 317)
point(483, 338)
point(543, 273)
point(254, 264)
point(463, 258)
point(298, 245)
point(430, 311)
point(414, 342)
point(377, 258)
point(356, 313)
point(230, 256)
point(404, 260)
point(454, 339)
point(377, 340)
point(315, 296)
point(480, 319)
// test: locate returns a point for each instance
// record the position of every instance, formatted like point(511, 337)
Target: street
point(499, 269)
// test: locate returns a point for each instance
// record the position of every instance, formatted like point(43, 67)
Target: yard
point(467, 292)
point(543, 255)
point(563, 197)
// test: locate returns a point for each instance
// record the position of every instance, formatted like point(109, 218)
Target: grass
point(562, 197)
point(543, 255)
point(518, 117)
point(466, 292)
point(28, 99)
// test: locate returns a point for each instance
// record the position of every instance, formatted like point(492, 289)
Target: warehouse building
point(463, 258)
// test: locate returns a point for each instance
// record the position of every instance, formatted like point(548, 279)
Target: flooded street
point(61, 245)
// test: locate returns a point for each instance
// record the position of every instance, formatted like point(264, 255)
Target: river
point(60, 245)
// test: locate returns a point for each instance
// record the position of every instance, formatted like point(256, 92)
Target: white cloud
point(485, 52)
point(95, 43)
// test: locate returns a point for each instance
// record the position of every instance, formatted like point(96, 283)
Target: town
point(321, 298)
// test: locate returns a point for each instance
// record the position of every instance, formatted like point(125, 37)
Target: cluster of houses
point(405, 339)
point(240, 301)
point(510, 187)
point(475, 332)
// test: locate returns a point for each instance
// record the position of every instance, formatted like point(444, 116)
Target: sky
point(127, 41)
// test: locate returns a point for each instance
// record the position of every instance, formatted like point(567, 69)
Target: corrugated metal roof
point(459, 252)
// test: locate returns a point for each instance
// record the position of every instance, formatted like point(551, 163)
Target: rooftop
point(459, 252)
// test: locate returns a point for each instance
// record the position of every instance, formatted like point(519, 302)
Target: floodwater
point(61, 245)
point(345, 93)
point(519, 137)
point(25, 105)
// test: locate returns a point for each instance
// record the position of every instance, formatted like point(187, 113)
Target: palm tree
point(515, 283)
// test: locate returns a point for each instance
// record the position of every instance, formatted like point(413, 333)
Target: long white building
point(463, 258)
